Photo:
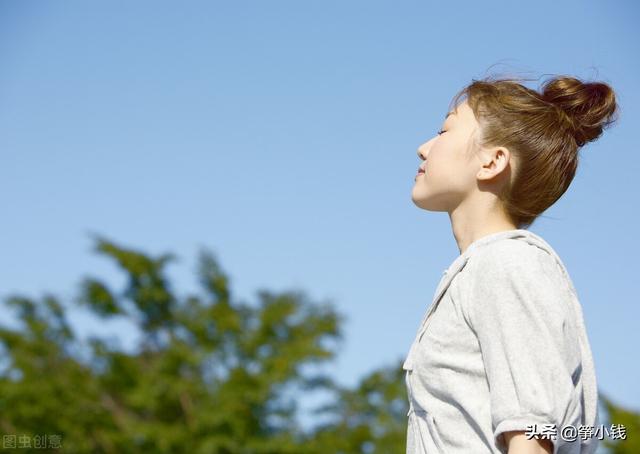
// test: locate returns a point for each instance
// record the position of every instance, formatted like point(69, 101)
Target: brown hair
point(543, 130)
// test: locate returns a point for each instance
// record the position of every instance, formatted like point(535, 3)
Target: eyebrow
point(450, 113)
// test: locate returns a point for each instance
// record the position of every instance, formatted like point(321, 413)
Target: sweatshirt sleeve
point(517, 313)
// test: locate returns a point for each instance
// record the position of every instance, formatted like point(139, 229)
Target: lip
point(420, 172)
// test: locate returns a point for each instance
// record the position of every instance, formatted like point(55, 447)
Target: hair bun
point(590, 107)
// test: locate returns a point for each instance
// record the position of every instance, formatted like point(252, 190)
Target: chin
point(421, 202)
point(426, 201)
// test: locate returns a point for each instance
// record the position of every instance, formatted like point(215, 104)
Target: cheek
point(449, 165)
point(441, 161)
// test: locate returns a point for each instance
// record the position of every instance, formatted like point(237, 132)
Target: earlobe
point(488, 168)
point(485, 174)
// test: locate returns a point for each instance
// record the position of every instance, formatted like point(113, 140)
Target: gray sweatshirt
point(503, 345)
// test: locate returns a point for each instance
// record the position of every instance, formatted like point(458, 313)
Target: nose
point(423, 150)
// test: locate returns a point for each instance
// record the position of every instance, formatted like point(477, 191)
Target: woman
point(501, 362)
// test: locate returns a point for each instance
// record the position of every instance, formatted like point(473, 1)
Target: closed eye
point(441, 131)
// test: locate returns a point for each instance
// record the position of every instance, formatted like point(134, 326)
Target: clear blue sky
point(283, 136)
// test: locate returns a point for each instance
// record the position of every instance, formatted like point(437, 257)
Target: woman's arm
point(518, 309)
point(517, 443)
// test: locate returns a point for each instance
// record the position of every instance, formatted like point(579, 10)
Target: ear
point(494, 161)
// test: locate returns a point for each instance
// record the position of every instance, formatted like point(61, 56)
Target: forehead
point(461, 113)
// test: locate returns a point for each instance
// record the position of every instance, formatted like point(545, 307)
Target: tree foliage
point(210, 374)
point(630, 420)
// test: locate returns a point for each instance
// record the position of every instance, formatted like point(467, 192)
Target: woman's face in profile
point(450, 164)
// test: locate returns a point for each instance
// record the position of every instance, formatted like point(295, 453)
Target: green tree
point(616, 414)
point(211, 375)
point(372, 418)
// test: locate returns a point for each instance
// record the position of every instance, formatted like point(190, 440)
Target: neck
point(469, 224)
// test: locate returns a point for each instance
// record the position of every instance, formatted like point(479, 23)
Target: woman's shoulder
point(509, 254)
point(513, 275)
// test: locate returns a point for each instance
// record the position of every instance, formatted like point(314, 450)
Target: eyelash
point(441, 131)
